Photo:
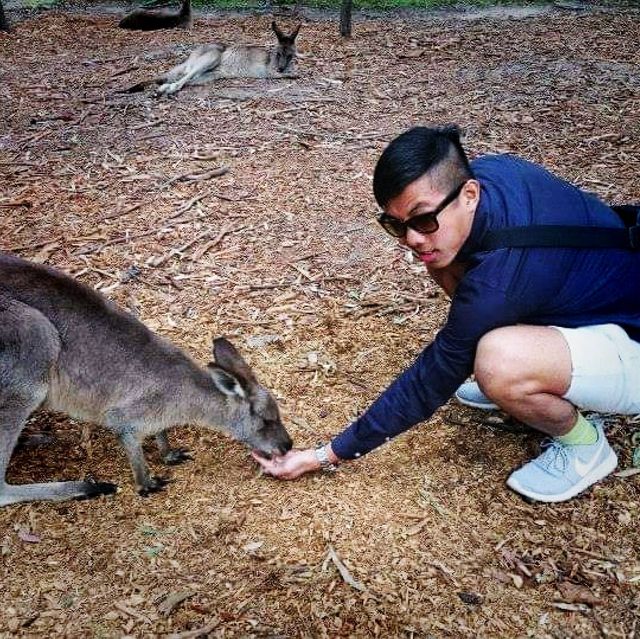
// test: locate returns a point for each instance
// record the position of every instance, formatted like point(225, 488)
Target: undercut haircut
point(416, 152)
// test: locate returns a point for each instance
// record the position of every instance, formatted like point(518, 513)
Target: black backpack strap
point(554, 236)
point(559, 236)
point(628, 213)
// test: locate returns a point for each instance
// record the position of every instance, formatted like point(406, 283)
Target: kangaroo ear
point(227, 358)
point(277, 31)
point(294, 35)
point(226, 383)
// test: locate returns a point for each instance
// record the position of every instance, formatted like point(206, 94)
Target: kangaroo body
point(152, 19)
point(214, 61)
point(65, 347)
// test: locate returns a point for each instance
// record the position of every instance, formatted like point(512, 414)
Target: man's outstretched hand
point(295, 463)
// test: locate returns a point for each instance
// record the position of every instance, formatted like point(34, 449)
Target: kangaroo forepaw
point(177, 456)
point(154, 485)
point(97, 489)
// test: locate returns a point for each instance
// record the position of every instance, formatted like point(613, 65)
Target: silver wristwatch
point(325, 464)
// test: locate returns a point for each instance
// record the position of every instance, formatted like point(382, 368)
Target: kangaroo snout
point(276, 451)
point(285, 445)
point(275, 441)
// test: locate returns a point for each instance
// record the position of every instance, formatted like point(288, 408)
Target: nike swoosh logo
point(583, 469)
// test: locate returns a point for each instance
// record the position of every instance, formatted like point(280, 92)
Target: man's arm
point(421, 389)
point(433, 378)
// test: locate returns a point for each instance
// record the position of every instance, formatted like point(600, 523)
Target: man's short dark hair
point(416, 152)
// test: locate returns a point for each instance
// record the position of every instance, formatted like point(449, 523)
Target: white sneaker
point(562, 471)
point(470, 394)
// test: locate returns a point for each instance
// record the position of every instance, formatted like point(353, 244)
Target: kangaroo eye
point(268, 424)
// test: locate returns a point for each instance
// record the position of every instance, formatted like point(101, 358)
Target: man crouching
point(546, 330)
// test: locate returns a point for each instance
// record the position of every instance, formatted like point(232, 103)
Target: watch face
point(321, 456)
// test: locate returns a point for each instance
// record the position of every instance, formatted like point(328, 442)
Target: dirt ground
point(282, 254)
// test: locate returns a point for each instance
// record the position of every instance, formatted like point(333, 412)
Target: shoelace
point(555, 458)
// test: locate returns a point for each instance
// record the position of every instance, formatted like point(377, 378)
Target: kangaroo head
point(286, 49)
point(253, 418)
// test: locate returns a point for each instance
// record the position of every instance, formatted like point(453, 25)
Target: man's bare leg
point(526, 370)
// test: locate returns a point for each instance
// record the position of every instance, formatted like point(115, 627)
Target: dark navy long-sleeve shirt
point(566, 287)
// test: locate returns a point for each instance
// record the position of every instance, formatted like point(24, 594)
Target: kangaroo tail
point(141, 86)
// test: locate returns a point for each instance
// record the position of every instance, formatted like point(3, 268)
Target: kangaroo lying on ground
point(65, 347)
point(152, 19)
point(214, 61)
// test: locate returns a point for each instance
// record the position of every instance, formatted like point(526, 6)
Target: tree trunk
point(345, 18)
point(4, 25)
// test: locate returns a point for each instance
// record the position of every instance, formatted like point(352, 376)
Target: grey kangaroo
point(152, 19)
point(214, 61)
point(65, 347)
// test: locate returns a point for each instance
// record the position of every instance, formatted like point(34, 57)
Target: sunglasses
point(424, 223)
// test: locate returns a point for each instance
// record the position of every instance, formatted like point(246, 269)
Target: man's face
point(438, 249)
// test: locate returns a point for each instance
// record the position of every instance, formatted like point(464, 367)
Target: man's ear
point(225, 382)
point(471, 193)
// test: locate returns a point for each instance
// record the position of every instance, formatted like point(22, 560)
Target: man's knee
point(499, 368)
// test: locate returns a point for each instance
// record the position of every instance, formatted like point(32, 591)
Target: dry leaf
point(260, 341)
point(521, 567)
point(172, 600)
point(625, 518)
point(416, 528)
point(45, 252)
point(30, 538)
point(198, 632)
point(573, 593)
point(570, 607)
point(413, 53)
point(501, 576)
point(342, 569)
point(627, 472)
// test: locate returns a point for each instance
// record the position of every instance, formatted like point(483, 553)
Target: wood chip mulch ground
point(244, 209)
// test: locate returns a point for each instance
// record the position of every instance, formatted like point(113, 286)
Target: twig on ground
point(198, 177)
point(120, 72)
point(37, 245)
point(198, 253)
point(159, 261)
point(199, 632)
point(27, 204)
point(342, 569)
point(187, 205)
point(130, 209)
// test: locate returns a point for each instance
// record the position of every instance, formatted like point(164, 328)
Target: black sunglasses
point(424, 223)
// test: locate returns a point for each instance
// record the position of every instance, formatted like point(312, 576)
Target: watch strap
point(323, 459)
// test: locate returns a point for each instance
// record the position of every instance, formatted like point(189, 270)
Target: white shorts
point(606, 369)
